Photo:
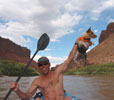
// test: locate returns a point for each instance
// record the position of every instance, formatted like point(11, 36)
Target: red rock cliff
point(10, 50)
point(103, 53)
point(106, 33)
point(14, 52)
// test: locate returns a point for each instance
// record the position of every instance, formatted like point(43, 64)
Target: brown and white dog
point(83, 43)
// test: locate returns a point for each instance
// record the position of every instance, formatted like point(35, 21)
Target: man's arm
point(64, 66)
point(26, 95)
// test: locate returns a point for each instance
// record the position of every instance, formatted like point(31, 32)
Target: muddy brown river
point(82, 87)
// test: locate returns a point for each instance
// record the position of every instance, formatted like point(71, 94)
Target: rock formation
point(10, 50)
point(14, 52)
point(103, 53)
point(106, 33)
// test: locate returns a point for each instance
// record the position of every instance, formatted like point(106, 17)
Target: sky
point(24, 21)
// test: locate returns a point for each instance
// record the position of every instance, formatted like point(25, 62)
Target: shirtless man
point(50, 83)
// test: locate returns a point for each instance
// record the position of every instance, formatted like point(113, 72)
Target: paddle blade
point(43, 42)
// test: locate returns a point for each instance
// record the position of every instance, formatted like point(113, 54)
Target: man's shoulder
point(36, 79)
point(57, 69)
point(54, 68)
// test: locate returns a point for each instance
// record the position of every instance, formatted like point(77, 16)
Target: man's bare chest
point(50, 81)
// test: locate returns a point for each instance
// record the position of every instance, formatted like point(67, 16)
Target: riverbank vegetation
point(100, 69)
point(9, 68)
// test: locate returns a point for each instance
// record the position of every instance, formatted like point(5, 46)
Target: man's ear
point(89, 29)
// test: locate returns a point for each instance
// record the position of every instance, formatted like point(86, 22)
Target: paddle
point(41, 45)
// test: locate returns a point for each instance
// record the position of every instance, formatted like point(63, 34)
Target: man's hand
point(15, 86)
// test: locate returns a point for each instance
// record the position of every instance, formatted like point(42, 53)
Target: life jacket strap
point(84, 38)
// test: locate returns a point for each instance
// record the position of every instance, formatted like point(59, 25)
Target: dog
point(83, 43)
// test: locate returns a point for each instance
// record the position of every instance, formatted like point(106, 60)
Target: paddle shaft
point(21, 74)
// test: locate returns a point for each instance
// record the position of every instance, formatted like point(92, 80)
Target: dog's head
point(89, 33)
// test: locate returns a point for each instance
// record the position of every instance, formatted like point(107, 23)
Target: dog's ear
point(89, 29)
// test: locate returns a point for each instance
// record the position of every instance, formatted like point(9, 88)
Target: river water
point(82, 87)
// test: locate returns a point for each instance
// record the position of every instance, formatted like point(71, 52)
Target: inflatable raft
point(40, 95)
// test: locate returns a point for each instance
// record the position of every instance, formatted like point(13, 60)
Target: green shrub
point(93, 70)
point(9, 68)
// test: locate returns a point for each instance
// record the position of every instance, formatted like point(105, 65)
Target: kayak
point(41, 96)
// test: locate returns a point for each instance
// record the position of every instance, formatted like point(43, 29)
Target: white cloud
point(20, 18)
point(82, 5)
point(66, 20)
point(32, 18)
point(111, 20)
point(53, 60)
point(95, 31)
point(56, 58)
point(47, 49)
point(80, 29)
point(103, 5)
point(93, 8)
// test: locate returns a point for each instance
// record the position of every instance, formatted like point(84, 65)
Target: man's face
point(44, 67)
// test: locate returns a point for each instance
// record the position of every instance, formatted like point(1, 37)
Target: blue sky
point(23, 22)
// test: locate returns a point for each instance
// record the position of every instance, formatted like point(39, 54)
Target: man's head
point(44, 65)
